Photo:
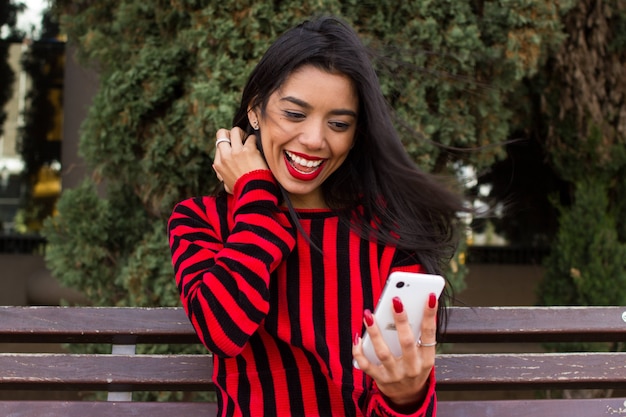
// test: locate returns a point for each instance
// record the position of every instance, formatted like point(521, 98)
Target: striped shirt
point(280, 311)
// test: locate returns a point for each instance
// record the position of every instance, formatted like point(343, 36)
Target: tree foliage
point(584, 105)
point(588, 262)
point(171, 73)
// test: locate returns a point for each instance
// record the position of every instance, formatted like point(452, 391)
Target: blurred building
point(30, 147)
point(11, 162)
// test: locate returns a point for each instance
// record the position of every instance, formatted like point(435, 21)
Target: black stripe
point(364, 254)
point(259, 184)
point(199, 236)
point(241, 298)
point(189, 283)
point(265, 207)
point(293, 298)
point(229, 408)
point(254, 251)
point(296, 401)
point(202, 327)
point(197, 266)
point(379, 255)
point(222, 215)
point(271, 320)
point(322, 394)
point(368, 302)
point(267, 384)
point(190, 215)
point(255, 281)
point(228, 326)
point(186, 283)
point(264, 233)
point(344, 309)
point(189, 253)
point(260, 353)
point(199, 202)
point(292, 374)
point(319, 318)
point(243, 387)
point(430, 411)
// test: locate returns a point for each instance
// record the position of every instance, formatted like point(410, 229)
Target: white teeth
point(301, 161)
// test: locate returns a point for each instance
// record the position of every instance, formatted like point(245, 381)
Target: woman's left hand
point(403, 380)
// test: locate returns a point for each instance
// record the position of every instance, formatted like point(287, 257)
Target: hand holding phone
point(413, 290)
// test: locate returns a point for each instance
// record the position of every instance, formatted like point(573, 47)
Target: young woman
point(279, 272)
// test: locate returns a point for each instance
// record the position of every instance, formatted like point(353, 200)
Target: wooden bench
point(121, 372)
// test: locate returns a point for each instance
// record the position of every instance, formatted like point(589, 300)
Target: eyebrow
point(304, 104)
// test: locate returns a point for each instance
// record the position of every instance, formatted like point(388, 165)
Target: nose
point(313, 136)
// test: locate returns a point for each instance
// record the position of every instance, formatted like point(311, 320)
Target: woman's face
point(307, 131)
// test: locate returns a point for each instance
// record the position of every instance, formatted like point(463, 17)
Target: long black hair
point(393, 199)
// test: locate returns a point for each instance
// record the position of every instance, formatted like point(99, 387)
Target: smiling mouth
point(302, 168)
point(302, 165)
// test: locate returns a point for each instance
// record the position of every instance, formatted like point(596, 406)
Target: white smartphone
point(414, 290)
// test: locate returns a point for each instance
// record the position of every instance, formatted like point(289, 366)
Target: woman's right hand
point(237, 157)
point(403, 380)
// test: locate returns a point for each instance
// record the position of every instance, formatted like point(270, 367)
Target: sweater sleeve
point(223, 258)
point(378, 406)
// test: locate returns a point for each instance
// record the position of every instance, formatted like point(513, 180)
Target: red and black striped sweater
point(278, 314)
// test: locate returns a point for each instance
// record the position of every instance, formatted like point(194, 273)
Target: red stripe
point(331, 301)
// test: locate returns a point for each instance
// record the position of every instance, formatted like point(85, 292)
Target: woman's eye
point(340, 125)
point(294, 115)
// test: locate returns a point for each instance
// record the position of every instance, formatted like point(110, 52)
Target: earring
point(255, 126)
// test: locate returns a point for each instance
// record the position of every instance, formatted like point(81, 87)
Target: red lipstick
point(301, 175)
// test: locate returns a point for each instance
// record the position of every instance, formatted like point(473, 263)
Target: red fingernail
point(369, 319)
point(356, 339)
point(432, 300)
point(397, 305)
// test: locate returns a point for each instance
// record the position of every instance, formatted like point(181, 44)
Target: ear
point(253, 118)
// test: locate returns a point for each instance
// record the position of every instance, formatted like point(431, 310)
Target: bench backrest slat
point(105, 372)
point(193, 372)
point(105, 409)
point(121, 325)
point(544, 408)
point(170, 325)
point(531, 371)
point(513, 408)
point(535, 324)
